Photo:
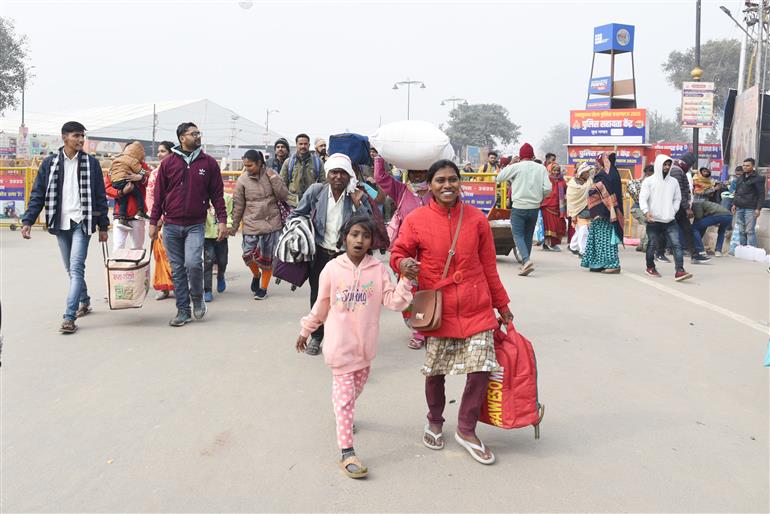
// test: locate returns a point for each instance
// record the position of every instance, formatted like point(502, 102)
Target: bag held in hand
point(511, 400)
point(128, 277)
point(427, 304)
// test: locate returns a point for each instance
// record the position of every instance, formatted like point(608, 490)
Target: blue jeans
point(523, 223)
point(744, 224)
point(73, 245)
point(724, 221)
point(184, 246)
point(657, 232)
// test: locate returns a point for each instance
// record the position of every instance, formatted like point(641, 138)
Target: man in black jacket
point(747, 204)
point(70, 185)
point(679, 171)
point(281, 151)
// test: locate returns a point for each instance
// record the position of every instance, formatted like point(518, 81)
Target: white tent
point(221, 127)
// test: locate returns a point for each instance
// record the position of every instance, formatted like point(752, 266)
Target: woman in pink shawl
point(408, 195)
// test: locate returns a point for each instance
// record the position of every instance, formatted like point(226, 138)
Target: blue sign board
point(608, 127)
point(598, 104)
point(599, 86)
point(614, 37)
point(480, 194)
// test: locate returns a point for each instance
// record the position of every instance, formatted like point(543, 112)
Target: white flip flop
point(471, 447)
point(436, 437)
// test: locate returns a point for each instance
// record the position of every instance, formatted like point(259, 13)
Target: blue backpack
point(354, 146)
point(316, 166)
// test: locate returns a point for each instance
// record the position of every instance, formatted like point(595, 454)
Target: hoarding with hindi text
point(608, 127)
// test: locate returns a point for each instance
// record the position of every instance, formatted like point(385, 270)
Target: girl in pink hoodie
point(352, 290)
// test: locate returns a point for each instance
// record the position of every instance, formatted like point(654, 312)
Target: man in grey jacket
point(328, 206)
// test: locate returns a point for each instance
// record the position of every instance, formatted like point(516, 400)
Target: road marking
point(701, 303)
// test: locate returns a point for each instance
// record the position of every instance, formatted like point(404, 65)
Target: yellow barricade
point(15, 177)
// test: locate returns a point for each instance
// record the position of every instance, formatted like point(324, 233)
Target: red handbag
point(512, 400)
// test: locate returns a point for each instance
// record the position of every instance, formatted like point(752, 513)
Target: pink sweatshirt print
point(349, 302)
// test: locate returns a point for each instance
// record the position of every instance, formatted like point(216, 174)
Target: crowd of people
point(436, 242)
point(589, 209)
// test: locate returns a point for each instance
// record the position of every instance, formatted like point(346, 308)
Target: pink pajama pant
point(346, 388)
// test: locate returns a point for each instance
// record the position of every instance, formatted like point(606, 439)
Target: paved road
point(656, 400)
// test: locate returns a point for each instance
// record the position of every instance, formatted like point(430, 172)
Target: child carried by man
point(127, 167)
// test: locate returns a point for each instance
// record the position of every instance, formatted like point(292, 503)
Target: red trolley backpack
point(512, 400)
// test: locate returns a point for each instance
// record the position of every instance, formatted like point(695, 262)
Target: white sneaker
point(717, 254)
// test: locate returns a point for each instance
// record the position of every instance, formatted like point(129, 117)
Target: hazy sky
point(330, 66)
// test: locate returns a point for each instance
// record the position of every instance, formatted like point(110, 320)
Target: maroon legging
point(470, 406)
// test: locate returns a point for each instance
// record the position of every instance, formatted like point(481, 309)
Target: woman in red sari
point(554, 209)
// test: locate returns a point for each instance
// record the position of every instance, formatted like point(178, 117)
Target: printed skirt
point(450, 356)
point(602, 246)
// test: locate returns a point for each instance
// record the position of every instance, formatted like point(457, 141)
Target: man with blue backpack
point(301, 170)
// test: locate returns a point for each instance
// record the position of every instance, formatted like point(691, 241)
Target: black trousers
point(321, 259)
point(214, 252)
point(686, 230)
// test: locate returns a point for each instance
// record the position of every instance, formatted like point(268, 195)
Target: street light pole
point(408, 83)
point(408, 99)
point(454, 100)
point(744, 44)
point(268, 111)
point(23, 88)
point(697, 73)
point(761, 71)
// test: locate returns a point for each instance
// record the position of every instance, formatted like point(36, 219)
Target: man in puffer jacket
point(747, 204)
point(679, 170)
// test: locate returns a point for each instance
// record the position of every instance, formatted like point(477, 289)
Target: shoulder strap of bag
point(316, 166)
point(292, 162)
point(454, 244)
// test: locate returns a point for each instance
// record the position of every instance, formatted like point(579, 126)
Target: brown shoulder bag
point(427, 304)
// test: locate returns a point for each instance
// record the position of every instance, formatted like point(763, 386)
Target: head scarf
point(340, 161)
point(558, 182)
point(577, 194)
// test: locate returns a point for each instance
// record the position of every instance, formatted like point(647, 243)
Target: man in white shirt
point(329, 205)
point(70, 186)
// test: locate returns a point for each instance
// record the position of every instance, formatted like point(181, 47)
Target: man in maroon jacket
point(188, 180)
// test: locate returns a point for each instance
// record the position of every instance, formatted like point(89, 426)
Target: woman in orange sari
point(554, 210)
point(161, 278)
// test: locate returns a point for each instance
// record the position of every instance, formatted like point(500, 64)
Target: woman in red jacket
point(463, 345)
